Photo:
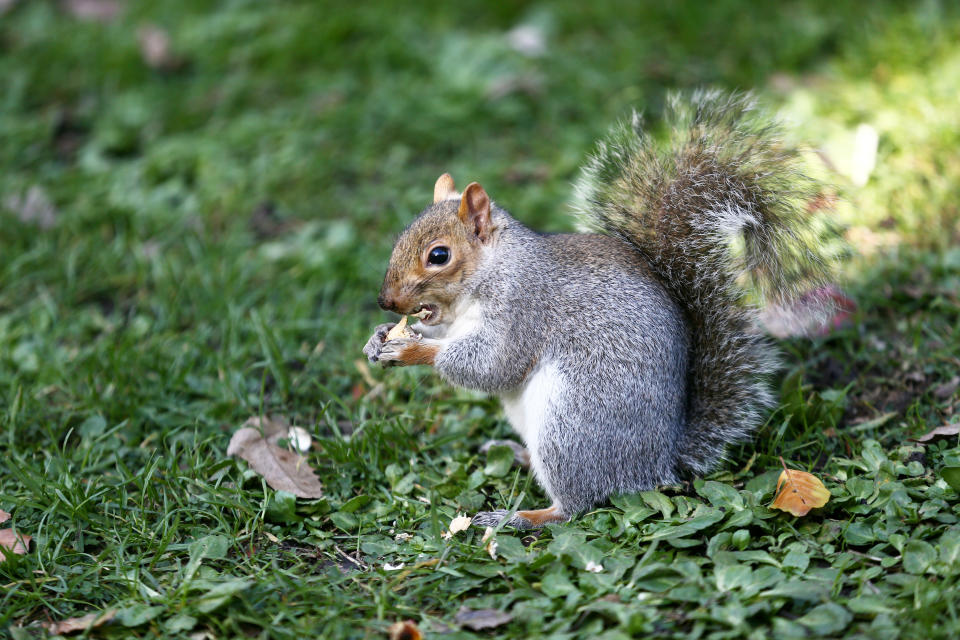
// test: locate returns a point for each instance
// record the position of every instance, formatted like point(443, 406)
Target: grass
point(219, 233)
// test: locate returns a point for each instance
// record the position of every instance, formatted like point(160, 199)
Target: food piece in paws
point(399, 330)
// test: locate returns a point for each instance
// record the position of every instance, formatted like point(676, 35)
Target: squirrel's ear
point(444, 189)
point(475, 211)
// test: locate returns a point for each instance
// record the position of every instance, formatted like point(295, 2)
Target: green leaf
point(213, 547)
point(950, 548)
point(721, 495)
point(797, 560)
point(655, 577)
point(180, 622)
point(282, 508)
point(798, 590)
point(355, 503)
point(138, 614)
point(918, 556)
point(732, 576)
point(573, 544)
point(345, 521)
point(873, 454)
point(93, 426)
point(511, 548)
point(499, 461)
point(826, 619)
point(868, 605)
point(658, 501)
point(566, 542)
point(859, 533)
point(556, 584)
point(220, 594)
point(693, 525)
point(951, 476)
point(739, 520)
point(635, 509)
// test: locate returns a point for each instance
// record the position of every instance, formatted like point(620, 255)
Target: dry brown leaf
point(404, 630)
point(481, 618)
point(284, 470)
point(72, 625)
point(799, 491)
point(4, 516)
point(12, 541)
point(945, 431)
point(94, 10)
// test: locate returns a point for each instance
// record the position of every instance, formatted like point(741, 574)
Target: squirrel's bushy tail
point(720, 211)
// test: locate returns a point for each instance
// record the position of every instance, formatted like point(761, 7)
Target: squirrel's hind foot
point(521, 519)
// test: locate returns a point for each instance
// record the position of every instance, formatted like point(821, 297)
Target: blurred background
point(198, 199)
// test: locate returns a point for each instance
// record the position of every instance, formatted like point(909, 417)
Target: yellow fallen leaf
point(799, 491)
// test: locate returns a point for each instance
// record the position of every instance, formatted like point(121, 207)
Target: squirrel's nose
point(386, 302)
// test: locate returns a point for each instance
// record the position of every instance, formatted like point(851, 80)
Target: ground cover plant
point(197, 200)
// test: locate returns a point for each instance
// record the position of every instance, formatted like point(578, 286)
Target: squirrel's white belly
point(526, 408)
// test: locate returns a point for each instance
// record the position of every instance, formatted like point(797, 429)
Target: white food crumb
point(460, 523)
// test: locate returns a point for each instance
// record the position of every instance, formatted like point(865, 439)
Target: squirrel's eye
point(438, 255)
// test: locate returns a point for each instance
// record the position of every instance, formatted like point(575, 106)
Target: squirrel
point(629, 357)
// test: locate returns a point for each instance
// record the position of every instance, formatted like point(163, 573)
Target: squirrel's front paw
point(407, 351)
point(375, 343)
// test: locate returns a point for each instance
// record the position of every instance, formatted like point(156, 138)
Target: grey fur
point(646, 328)
point(588, 305)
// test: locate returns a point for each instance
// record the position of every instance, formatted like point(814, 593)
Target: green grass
point(221, 230)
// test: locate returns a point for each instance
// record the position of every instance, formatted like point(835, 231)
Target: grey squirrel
point(630, 358)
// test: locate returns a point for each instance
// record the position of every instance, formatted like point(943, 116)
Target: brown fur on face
point(411, 282)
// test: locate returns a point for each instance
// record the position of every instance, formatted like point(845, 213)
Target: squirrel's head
point(437, 253)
